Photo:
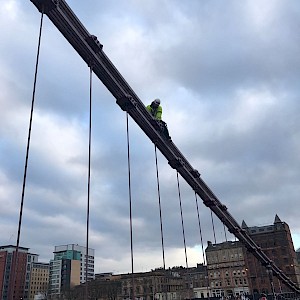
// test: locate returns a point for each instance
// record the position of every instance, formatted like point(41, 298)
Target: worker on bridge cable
point(155, 110)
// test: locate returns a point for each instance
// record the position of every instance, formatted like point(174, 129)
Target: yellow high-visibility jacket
point(155, 112)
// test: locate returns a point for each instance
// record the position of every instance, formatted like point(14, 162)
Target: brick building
point(276, 241)
point(19, 275)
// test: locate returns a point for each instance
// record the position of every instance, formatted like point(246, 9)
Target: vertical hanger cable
point(201, 240)
point(213, 226)
point(160, 213)
point(182, 223)
point(183, 235)
point(15, 262)
point(130, 206)
point(88, 188)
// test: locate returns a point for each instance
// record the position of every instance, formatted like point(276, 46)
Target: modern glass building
point(67, 269)
point(75, 251)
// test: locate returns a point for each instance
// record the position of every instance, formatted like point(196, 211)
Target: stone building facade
point(227, 269)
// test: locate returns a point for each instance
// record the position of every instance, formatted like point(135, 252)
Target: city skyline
point(230, 270)
point(75, 246)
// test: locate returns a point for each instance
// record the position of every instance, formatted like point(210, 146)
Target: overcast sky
point(227, 73)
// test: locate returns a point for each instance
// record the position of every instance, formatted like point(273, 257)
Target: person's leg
point(166, 131)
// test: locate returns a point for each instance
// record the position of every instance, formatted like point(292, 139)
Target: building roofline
point(12, 246)
point(66, 245)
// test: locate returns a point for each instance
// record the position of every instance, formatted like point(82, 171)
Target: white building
point(55, 277)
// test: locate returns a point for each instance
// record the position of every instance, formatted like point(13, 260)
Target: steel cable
point(182, 223)
point(182, 226)
point(130, 206)
point(160, 212)
point(213, 226)
point(15, 263)
point(88, 187)
point(201, 240)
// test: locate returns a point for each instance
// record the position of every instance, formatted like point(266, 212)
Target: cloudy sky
point(227, 73)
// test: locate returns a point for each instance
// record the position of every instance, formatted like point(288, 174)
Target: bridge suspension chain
point(90, 49)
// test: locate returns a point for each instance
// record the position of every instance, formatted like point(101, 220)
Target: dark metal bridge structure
point(91, 51)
